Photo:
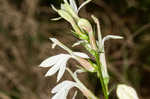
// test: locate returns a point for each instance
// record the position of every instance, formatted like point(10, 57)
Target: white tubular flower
point(58, 63)
point(126, 92)
point(62, 89)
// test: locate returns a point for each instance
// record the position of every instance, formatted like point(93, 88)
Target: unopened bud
point(85, 25)
point(126, 92)
point(64, 14)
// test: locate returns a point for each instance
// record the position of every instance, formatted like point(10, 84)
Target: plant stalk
point(100, 75)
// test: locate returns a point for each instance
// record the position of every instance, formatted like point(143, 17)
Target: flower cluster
point(83, 30)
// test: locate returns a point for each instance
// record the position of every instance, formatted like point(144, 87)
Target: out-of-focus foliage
point(25, 27)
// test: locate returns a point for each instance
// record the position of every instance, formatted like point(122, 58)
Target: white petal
point(63, 67)
point(83, 4)
point(126, 92)
point(55, 68)
point(111, 37)
point(63, 85)
point(50, 61)
point(73, 5)
point(83, 55)
point(60, 95)
point(75, 94)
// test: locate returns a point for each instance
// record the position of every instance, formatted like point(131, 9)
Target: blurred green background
point(25, 27)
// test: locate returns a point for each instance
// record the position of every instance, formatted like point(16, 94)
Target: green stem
point(104, 86)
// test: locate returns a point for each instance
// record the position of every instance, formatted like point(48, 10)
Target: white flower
point(62, 89)
point(59, 62)
point(126, 92)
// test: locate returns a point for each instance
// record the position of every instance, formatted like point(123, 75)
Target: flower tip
point(58, 80)
point(119, 37)
point(53, 45)
point(115, 37)
point(46, 75)
point(42, 65)
point(52, 39)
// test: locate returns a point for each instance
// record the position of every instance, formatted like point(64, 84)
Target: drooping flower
point(126, 92)
point(58, 63)
point(62, 89)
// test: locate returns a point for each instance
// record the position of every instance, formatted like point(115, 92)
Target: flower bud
point(85, 25)
point(126, 92)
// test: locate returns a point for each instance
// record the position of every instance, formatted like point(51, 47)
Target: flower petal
point(80, 54)
point(63, 85)
point(55, 68)
point(50, 61)
point(63, 66)
point(60, 95)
